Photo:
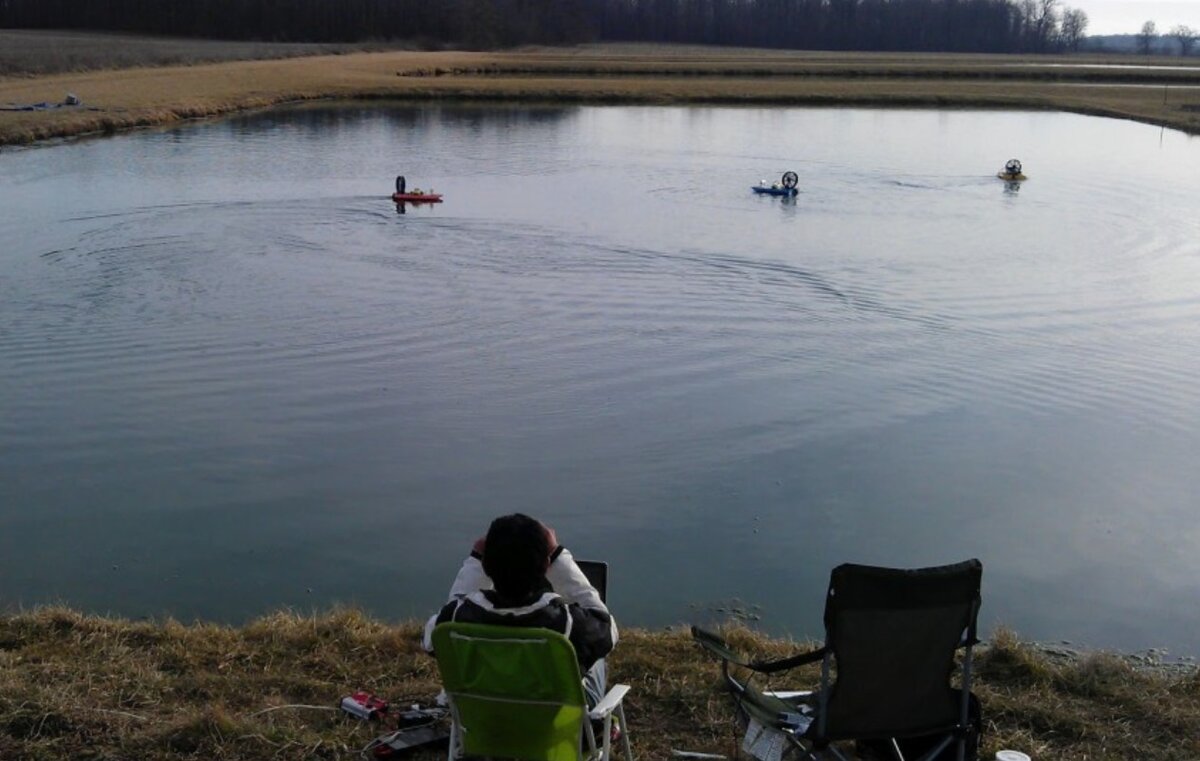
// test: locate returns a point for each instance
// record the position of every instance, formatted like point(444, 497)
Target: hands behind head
point(551, 542)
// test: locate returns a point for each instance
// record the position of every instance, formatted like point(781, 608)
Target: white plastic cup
point(1011, 755)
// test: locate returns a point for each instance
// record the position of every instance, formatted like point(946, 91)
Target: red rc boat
point(416, 196)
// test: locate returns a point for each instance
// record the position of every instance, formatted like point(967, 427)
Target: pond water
point(234, 378)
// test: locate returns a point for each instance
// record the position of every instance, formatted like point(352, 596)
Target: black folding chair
point(891, 637)
point(596, 572)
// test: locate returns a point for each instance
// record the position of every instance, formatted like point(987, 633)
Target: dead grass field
point(122, 99)
point(75, 686)
point(38, 52)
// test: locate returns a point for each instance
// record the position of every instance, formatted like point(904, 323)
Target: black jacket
point(571, 607)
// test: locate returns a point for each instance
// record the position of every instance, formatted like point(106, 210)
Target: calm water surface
point(232, 377)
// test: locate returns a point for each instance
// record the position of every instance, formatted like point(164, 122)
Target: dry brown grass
point(116, 100)
point(38, 52)
point(75, 686)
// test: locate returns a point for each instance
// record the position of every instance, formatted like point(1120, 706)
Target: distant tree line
point(1184, 36)
point(991, 26)
point(995, 26)
point(480, 23)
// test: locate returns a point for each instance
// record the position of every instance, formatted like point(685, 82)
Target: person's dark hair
point(515, 554)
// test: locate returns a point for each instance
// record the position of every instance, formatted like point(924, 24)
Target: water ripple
point(602, 324)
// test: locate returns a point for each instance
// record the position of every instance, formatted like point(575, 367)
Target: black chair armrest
point(791, 662)
point(717, 646)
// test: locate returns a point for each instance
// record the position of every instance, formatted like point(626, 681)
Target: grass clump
point(1009, 661)
point(73, 685)
point(1087, 706)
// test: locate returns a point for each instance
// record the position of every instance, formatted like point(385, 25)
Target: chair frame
point(813, 744)
point(612, 704)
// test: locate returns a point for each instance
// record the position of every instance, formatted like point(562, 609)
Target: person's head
point(516, 555)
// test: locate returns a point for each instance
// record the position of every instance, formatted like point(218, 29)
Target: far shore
point(120, 99)
point(81, 686)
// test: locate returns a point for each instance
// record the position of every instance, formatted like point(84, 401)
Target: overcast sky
point(1127, 16)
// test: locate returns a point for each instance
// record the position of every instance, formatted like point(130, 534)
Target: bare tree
point(1186, 37)
point(1074, 28)
point(1044, 23)
point(1146, 37)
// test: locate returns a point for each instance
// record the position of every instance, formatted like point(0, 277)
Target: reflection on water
point(233, 377)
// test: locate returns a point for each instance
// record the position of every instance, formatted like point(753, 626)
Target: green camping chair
point(891, 636)
point(517, 693)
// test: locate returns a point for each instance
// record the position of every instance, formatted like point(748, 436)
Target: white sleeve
point(427, 640)
point(470, 578)
point(570, 582)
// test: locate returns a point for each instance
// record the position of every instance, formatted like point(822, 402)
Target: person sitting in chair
point(519, 575)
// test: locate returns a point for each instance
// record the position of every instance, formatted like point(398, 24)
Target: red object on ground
point(364, 705)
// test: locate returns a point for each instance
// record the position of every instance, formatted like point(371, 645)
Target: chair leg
point(453, 752)
point(624, 732)
point(590, 736)
point(815, 754)
point(937, 751)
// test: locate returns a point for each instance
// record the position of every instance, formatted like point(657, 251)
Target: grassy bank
point(127, 98)
point(38, 52)
point(74, 686)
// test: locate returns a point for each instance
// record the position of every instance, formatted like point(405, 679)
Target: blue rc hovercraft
point(786, 186)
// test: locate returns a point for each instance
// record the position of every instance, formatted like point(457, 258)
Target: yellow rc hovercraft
point(1012, 171)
